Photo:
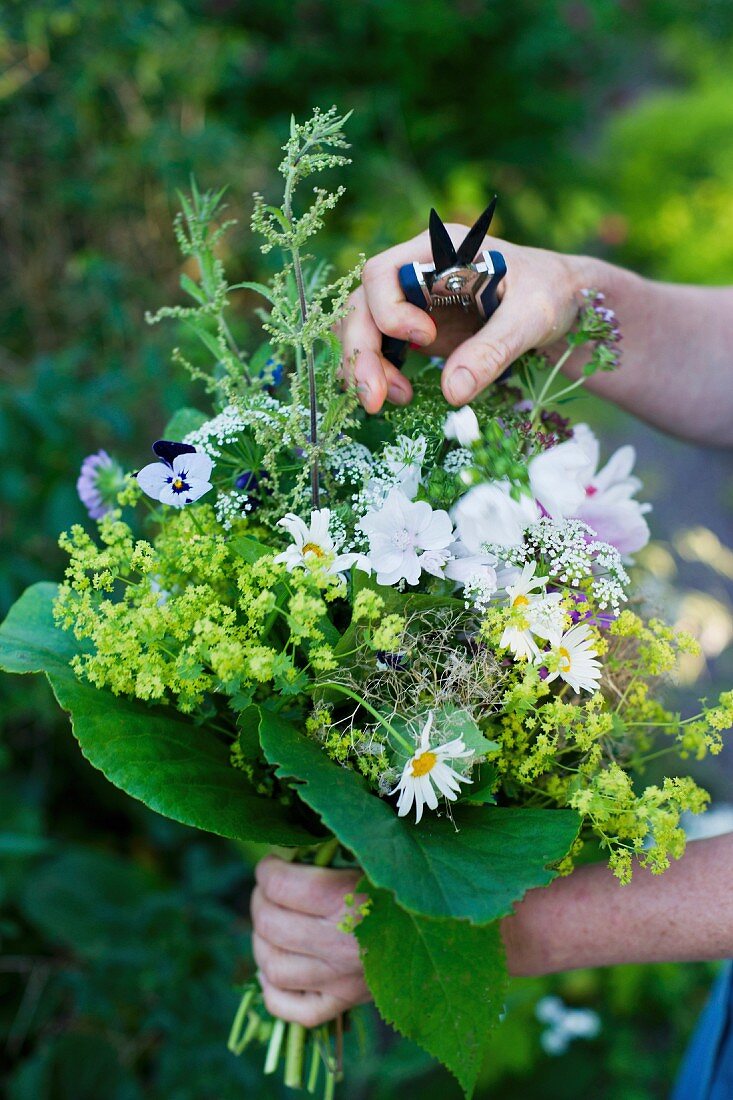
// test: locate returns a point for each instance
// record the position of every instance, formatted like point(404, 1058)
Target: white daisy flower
point(313, 544)
point(427, 767)
point(540, 613)
point(400, 533)
point(577, 661)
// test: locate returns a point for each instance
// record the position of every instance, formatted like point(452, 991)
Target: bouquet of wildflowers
point(404, 642)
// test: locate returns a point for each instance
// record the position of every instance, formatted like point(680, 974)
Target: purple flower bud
point(100, 479)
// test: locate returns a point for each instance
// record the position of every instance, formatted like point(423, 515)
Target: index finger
point(317, 891)
point(392, 314)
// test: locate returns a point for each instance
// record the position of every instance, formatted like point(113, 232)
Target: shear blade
point(466, 252)
point(444, 254)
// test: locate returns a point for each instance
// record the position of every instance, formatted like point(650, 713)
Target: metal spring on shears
point(452, 300)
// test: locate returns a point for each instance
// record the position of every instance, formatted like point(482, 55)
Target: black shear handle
point(394, 350)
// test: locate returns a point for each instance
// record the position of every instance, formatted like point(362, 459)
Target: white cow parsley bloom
point(537, 613)
point(571, 555)
point(221, 431)
point(489, 515)
point(429, 766)
point(577, 660)
point(457, 460)
point(564, 1025)
point(180, 481)
point(475, 573)
point(404, 537)
point(402, 463)
point(314, 544)
point(462, 425)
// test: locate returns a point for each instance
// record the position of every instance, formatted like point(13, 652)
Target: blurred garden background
point(604, 126)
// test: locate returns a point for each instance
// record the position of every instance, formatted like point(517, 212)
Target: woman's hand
point(310, 971)
point(539, 302)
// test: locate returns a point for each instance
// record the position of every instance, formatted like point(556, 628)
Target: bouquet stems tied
point(288, 1043)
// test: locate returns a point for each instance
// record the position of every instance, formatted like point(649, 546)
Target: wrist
point(616, 283)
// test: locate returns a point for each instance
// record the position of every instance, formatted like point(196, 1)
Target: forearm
point(589, 919)
point(677, 352)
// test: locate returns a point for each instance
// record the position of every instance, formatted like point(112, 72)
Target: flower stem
point(326, 851)
point(235, 1035)
point(294, 1051)
point(537, 411)
point(375, 713)
point(274, 1046)
point(313, 1071)
point(309, 358)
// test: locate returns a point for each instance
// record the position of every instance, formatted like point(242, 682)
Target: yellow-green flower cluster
point(560, 750)
point(186, 617)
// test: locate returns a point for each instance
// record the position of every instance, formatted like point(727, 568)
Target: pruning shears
point(458, 278)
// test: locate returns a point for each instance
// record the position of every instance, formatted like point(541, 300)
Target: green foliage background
point(605, 126)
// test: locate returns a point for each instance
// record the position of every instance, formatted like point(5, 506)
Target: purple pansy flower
point(180, 478)
point(100, 480)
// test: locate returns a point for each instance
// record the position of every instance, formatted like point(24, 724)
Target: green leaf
point(212, 344)
point(454, 721)
point(439, 982)
point(258, 288)
point(249, 549)
point(474, 869)
point(184, 421)
point(484, 785)
point(154, 754)
point(193, 289)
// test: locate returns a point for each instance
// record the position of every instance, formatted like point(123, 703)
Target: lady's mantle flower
point(99, 482)
point(180, 478)
point(574, 660)
point(314, 545)
point(489, 514)
point(462, 425)
point(427, 767)
point(534, 613)
point(405, 538)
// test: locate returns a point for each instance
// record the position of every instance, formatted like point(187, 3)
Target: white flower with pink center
point(608, 506)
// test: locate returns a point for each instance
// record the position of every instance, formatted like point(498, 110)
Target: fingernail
point(462, 385)
point(419, 337)
point(397, 394)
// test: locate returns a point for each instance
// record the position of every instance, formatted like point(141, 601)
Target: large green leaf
point(439, 982)
point(473, 869)
point(184, 421)
point(154, 754)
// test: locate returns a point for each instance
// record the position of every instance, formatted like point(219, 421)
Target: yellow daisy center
point(313, 548)
point(520, 601)
point(565, 662)
point(424, 763)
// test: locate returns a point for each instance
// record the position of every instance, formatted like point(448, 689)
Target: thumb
point(478, 361)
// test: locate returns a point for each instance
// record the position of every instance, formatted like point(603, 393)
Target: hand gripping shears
point(458, 278)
